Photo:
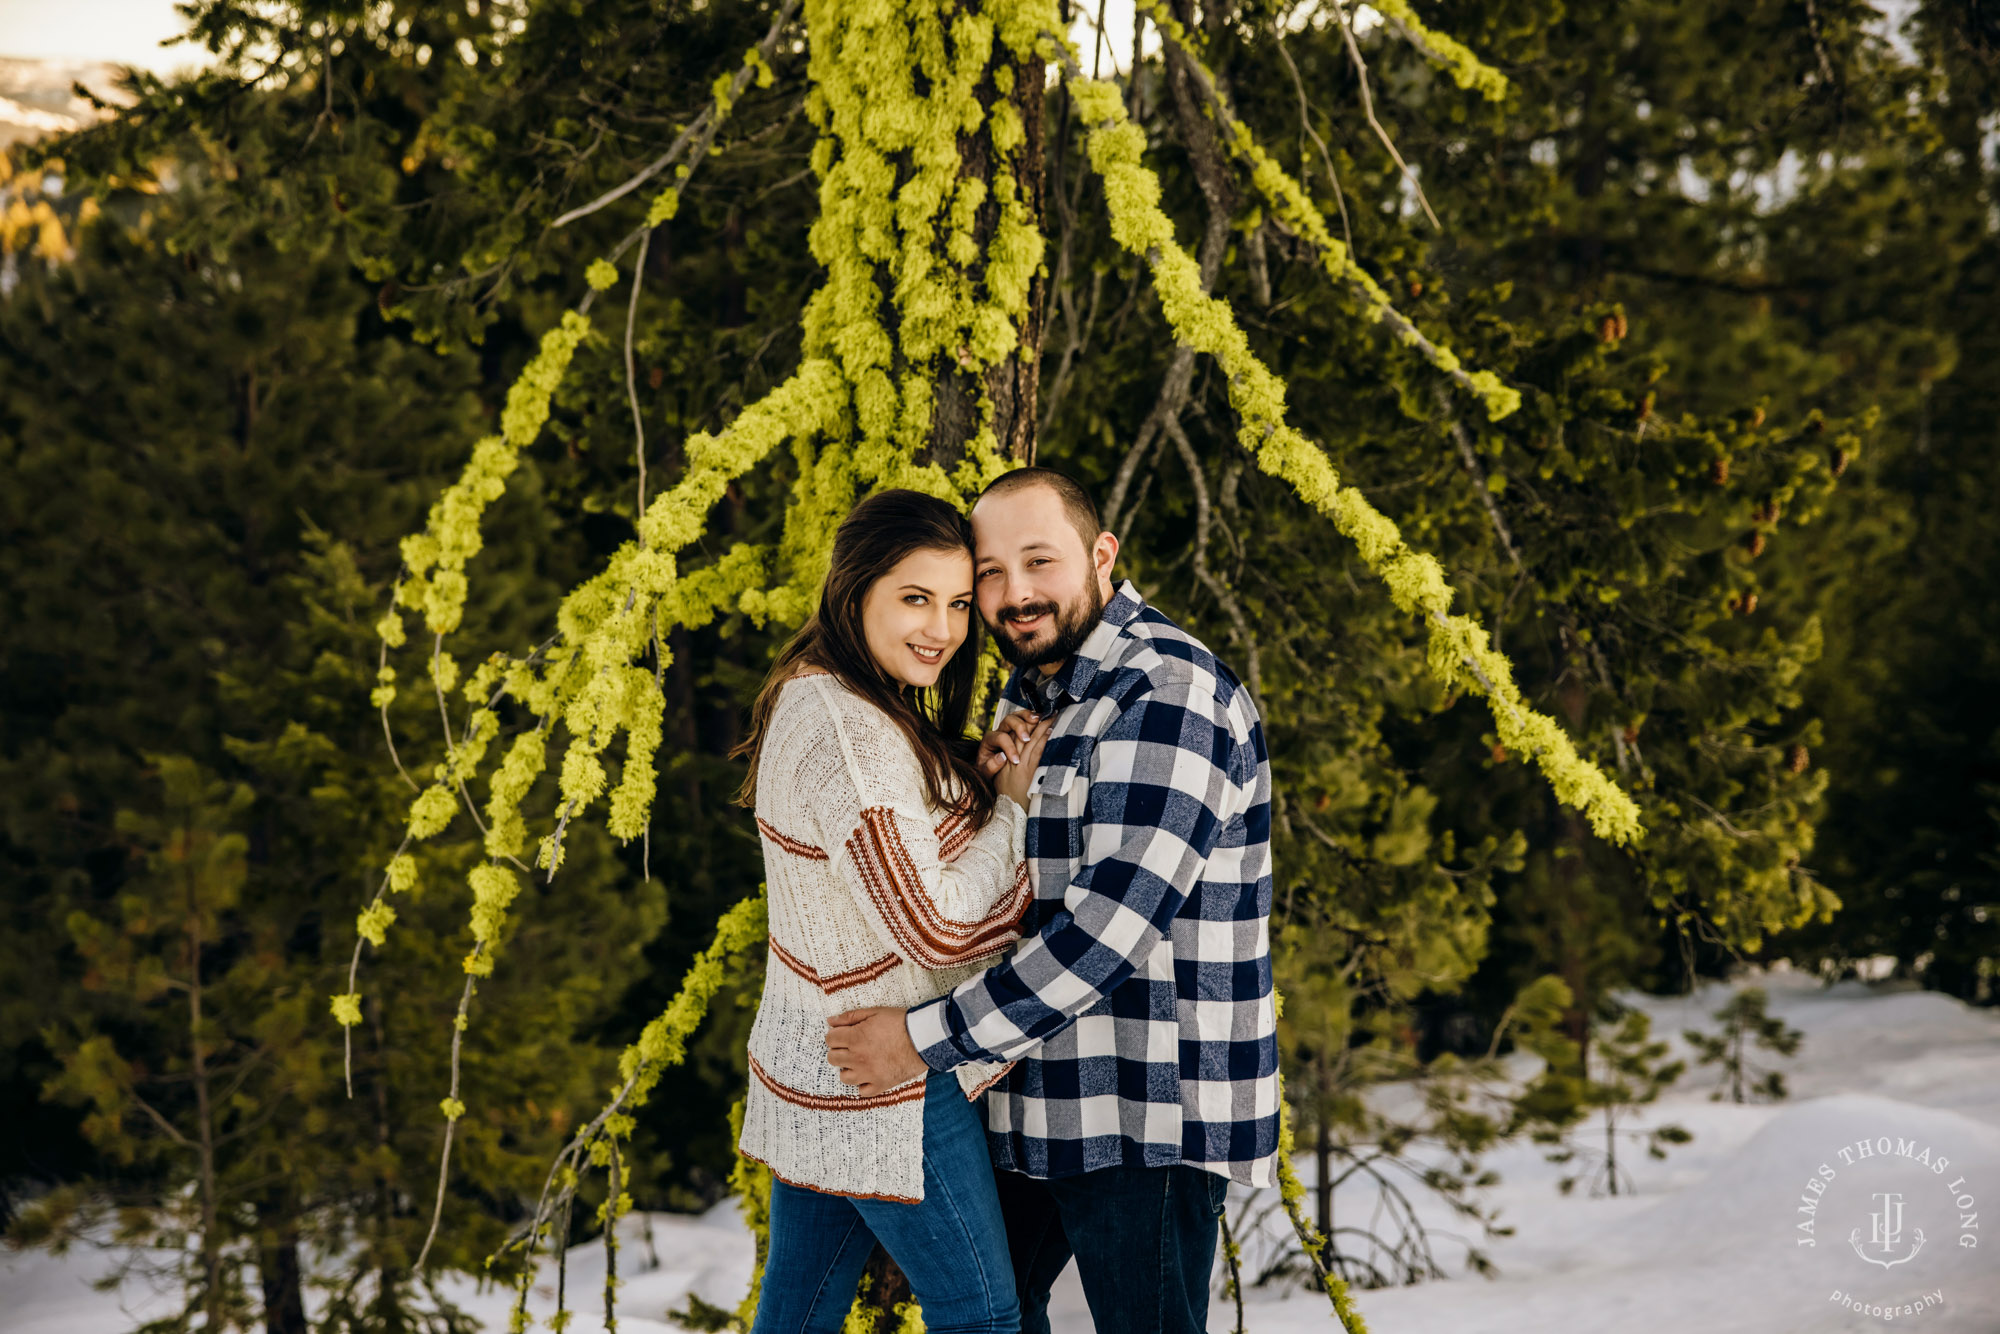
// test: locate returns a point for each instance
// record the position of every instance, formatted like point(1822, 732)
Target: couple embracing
point(1018, 1007)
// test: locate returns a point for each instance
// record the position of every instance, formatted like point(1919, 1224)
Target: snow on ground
point(1709, 1240)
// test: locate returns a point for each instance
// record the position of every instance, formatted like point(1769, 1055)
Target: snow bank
point(1710, 1240)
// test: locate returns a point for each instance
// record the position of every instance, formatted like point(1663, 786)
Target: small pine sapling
point(1631, 1072)
point(1745, 1024)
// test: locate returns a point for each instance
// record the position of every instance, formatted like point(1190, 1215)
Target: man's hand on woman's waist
point(871, 1048)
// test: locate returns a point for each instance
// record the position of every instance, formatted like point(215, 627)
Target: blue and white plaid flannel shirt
point(1138, 1004)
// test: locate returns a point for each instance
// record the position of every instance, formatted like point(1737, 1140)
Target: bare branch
point(354, 968)
point(631, 379)
point(697, 137)
point(1472, 465)
point(1230, 604)
point(451, 1123)
point(388, 735)
point(1260, 271)
point(165, 1126)
point(1231, 1253)
point(1185, 79)
point(1305, 123)
point(1368, 110)
point(1339, 267)
point(1722, 819)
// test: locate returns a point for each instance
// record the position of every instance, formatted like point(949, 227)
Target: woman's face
point(917, 615)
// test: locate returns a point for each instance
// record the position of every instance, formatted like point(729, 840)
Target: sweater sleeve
point(935, 893)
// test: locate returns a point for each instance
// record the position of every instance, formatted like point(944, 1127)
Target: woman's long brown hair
point(869, 543)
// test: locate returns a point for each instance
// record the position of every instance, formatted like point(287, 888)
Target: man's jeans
point(952, 1245)
point(1143, 1238)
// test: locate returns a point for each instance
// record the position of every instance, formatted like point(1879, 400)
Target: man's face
point(1041, 590)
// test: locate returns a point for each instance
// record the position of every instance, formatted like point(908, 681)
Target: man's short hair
point(1076, 502)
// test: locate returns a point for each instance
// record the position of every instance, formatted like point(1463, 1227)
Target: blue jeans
point(1143, 1238)
point(952, 1245)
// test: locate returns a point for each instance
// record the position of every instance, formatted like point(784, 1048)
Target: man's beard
point(1073, 625)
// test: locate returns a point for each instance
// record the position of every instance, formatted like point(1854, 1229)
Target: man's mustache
point(1027, 612)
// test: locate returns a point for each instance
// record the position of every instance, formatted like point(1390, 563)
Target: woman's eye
point(915, 599)
point(961, 605)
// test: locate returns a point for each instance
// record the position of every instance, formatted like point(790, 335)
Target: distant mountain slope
point(35, 96)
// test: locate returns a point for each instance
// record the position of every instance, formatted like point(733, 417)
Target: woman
point(895, 870)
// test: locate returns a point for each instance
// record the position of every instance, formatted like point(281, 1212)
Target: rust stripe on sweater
point(790, 844)
point(832, 982)
point(857, 1103)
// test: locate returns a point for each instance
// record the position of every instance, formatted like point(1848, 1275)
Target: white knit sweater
point(876, 898)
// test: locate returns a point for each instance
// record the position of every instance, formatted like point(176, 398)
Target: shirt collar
point(1073, 679)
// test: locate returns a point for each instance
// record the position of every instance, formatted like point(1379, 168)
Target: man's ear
point(1103, 554)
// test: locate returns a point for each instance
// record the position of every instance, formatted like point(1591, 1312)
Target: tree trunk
point(387, 1312)
point(1013, 385)
point(884, 1285)
point(1323, 1160)
point(1611, 1150)
point(211, 1240)
point(1571, 873)
point(278, 1270)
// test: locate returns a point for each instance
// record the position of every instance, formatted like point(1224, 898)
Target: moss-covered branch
point(662, 1045)
point(1459, 654)
point(1293, 209)
point(1293, 1192)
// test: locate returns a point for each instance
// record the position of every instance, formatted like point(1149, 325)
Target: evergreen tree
point(161, 979)
point(1911, 680)
point(1627, 1070)
point(1690, 258)
point(178, 426)
point(1745, 1024)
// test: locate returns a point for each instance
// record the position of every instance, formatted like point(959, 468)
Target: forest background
point(1739, 260)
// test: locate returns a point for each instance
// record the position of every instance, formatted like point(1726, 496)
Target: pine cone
point(1755, 543)
point(1499, 753)
point(1839, 465)
point(1756, 417)
point(1797, 758)
point(1749, 603)
point(1607, 329)
point(1718, 472)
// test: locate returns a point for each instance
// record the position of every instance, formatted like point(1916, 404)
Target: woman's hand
point(1002, 745)
point(1019, 770)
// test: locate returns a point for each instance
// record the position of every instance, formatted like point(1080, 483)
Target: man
point(1137, 1007)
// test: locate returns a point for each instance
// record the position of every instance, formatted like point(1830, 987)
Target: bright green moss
point(1458, 653)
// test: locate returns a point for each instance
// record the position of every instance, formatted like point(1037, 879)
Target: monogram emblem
point(1885, 1233)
